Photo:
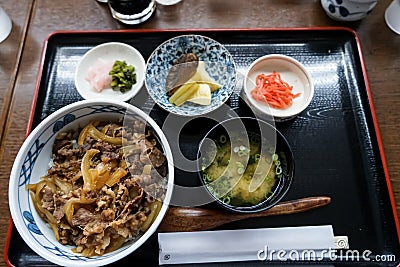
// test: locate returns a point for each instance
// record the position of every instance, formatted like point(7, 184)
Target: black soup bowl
point(245, 164)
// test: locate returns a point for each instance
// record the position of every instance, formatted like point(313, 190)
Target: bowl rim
point(17, 166)
point(270, 110)
point(122, 97)
point(173, 111)
point(260, 206)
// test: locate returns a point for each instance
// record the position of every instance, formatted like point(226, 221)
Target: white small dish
point(109, 52)
point(392, 16)
point(5, 25)
point(291, 71)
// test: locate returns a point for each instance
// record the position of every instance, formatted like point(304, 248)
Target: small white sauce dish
point(109, 52)
point(292, 72)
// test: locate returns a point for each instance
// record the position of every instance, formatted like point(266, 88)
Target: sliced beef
point(82, 217)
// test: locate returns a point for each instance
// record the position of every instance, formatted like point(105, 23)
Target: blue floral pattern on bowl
point(219, 64)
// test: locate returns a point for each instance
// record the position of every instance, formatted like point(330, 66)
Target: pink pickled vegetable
point(98, 75)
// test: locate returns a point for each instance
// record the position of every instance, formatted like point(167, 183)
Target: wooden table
point(34, 20)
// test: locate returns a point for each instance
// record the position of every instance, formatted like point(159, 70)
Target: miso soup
point(244, 172)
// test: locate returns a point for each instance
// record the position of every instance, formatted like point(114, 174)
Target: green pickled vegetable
point(123, 76)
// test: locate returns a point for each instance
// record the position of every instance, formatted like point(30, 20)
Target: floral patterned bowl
point(32, 162)
point(219, 64)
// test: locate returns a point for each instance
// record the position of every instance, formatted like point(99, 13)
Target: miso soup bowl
point(33, 161)
point(270, 135)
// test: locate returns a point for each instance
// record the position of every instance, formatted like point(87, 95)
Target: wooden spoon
point(181, 219)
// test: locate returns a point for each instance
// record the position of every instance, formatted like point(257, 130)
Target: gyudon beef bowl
point(91, 183)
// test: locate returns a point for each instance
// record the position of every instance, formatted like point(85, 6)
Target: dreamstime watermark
point(330, 254)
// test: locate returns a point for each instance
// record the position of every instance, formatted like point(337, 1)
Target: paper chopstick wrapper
point(246, 245)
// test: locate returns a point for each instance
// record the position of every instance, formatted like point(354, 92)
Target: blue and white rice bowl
point(32, 162)
point(219, 64)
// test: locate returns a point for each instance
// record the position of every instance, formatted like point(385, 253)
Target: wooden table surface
point(34, 20)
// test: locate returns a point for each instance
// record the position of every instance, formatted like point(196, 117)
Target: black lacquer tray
point(335, 141)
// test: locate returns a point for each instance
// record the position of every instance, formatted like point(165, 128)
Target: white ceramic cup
point(5, 25)
point(348, 10)
point(392, 16)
